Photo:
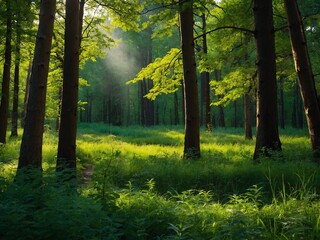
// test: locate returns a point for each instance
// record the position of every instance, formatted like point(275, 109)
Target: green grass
point(141, 188)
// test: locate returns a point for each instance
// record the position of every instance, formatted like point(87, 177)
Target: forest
point(160, 119)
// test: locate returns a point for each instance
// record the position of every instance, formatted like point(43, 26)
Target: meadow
point(134, 184)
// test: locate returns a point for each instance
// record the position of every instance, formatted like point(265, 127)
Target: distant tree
point(192, 131)
point(66, 158)
point(31, 145)
point(4, 105)
point(267, 123)
point(305, 75)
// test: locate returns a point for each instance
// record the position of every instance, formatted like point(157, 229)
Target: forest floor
point(135, 185)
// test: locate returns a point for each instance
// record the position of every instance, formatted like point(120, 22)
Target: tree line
point(216, 39)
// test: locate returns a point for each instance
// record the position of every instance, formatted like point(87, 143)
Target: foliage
point(235, 83)
point(140, 189)
point(166, 74)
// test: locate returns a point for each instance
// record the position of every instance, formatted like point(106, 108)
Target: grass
point(142, 189)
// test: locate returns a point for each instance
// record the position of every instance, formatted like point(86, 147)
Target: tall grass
point(142, 189)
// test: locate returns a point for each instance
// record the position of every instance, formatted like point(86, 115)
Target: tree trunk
point(281, 104)
point(14, 121)
point(192, 129)
point(247, 117)
point(305, 75)
point(31, 145)
point(149, 83)
point(4, 105)
point(26, 96)
point(66, 158)
point(267, 122)
point(206, 77)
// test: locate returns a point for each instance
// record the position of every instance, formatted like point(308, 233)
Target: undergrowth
point(142, 189)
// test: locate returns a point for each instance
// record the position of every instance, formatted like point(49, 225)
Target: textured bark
point(66, 158)
point(31, 146)
point(305, 75)
point(267, 123)
point(26, 96)
point(14, 120)
point(192, 129)
point(206, 78)
point(4, 105)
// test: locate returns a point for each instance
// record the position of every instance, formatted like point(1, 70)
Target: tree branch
point(224, 27)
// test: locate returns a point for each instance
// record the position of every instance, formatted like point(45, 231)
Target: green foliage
point(140, 188)
point(236, 84)
point(166, 74)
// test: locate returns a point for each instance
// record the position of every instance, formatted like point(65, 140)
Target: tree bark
point(267, 122)
point(192, 128)
point(206, 78)
point(4, 105)
point(305, 75)
point(66, 158)
point(31, 145)
point(26, 96)
point(14, 121)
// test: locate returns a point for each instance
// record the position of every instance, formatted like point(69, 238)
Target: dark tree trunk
point(267, 122)
point(149, 103)
point(305, 75)
point(58, 117)
point(143, 102)
point(26, 96)
point(69, 108)
point(31, 146)
point(281, 104)
point(247, 117)
point(206, 77)
point(14, 121)
point(4, 105)
point(192, 129)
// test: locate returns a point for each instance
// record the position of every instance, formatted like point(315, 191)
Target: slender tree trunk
point(58, 117)
point(31, 145)
point(14, 121)
point(143, 102)
point(281, 104)
point(149, 83)
point(26, 96)
point(192, 128)
point(247, 117)
point(222, 123)
point(305, 75)
point(4, 105)
point(267, 122)
point(206, 77)
point(68, 126)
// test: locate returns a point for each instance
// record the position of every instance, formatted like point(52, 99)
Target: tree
point(267, 124)
point(305, 75)
point(4, 106)
point(31, 145)
point(192, 131)
point(68, 127)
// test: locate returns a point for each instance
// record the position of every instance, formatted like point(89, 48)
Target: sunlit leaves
point(235, 84)
point(166, 74)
